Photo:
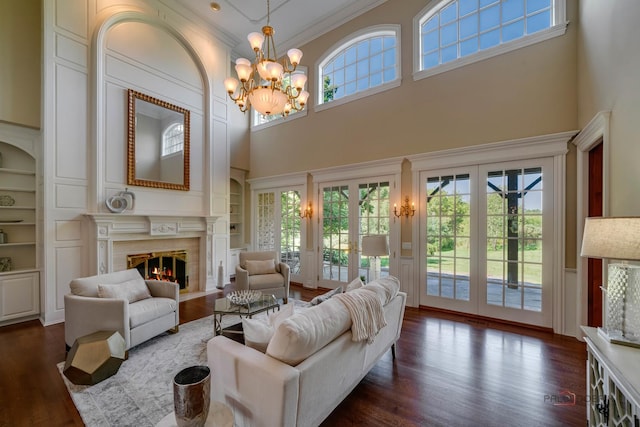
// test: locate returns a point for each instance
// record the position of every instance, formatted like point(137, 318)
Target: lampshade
point(615, 238)
point(375, 245)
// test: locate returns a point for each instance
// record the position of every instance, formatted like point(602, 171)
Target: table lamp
point(375, 246)
point(617, 239)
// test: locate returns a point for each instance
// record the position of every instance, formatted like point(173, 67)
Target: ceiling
point(295, 22)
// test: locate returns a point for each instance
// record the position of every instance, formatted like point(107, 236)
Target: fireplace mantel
point(110, 228)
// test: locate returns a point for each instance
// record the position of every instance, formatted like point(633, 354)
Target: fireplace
point(170, 266)
point(120, 236)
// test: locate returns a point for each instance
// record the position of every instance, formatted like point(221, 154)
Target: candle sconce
point(307, 212)
point(405, 209)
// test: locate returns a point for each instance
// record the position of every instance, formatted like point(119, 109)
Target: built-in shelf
point(16, 189)
point(20, 285)
point(17, 171)
point(18, 271)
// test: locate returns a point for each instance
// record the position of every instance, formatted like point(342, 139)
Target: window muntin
point(450, 34)
point(360, 65)
point(173, 139)
point(464, 27)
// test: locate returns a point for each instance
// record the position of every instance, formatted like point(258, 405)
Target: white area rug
point(141, 392)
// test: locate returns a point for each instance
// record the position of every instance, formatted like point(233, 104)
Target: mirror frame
point(131, 143)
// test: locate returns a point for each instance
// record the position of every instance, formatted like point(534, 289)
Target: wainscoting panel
point(71, 196)
point(407, 281)
point(71, 15)
point(69, 264)
point(71, 50)
point(570, 315)
point(71, 124)
point(68, 230)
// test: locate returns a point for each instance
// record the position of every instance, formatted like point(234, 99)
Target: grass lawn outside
point(457, 262)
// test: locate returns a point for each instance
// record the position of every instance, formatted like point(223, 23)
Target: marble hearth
point(117, 236)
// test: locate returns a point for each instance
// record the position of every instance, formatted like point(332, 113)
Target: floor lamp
point(617, 239)
point(375, 246)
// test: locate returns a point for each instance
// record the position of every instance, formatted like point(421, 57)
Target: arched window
point(449, 34)
point(173, 139)
point(362, 64)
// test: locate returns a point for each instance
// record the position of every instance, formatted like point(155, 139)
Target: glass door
point(350, 210)
point(487, 234)
point(449, 234)
point(279, 227)
point(515, 263)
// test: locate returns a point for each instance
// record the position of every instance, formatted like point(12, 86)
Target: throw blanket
point(367, 316)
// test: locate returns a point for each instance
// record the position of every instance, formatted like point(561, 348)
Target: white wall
point(93, 51)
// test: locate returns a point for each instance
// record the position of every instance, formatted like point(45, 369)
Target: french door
point(488, 237)
point(348, 211)
point(278, 226)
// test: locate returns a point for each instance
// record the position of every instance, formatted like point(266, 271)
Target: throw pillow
point(355, 284)
point(308, 331)
point(258, 332)
point(131, 290)
point(267, 266)
point(321, 298)
point(112, 291)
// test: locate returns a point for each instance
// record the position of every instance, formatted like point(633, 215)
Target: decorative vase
point(192, 396)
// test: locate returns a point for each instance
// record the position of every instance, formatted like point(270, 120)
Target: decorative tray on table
point(244, 297)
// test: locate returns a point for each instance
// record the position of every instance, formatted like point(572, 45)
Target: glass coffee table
point(224, 307)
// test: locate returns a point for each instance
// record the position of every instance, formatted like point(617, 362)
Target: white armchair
point(264, 272)
point(122, 301)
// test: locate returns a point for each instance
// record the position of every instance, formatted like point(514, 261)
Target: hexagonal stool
point(95, 357)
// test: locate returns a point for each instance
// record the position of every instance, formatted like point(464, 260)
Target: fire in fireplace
point(170, 266)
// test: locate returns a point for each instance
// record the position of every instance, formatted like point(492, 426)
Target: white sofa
point(121, 301)
point(265, 391)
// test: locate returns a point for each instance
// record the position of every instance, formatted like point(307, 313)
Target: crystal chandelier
point(267, 85)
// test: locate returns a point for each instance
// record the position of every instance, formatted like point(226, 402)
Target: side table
point(95, 357)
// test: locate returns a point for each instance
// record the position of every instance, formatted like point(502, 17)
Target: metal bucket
point(192, 396)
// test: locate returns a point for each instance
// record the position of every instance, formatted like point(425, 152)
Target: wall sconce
point(307, 212)
point(405, 209)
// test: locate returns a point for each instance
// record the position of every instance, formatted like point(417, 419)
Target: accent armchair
point(264, 272)
point(122, 301)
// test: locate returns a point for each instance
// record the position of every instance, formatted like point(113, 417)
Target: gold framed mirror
point(158, 143)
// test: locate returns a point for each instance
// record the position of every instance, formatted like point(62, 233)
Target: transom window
point(364, 63)
point(173, 139)
point(455, 30)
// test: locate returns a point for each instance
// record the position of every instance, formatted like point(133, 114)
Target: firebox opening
point(169, 266)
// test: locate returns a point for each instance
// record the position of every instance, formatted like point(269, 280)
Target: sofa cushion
point(387, 288)
point(258, 332)
point(322, 298)
point(255, 267)
point(266, 281)
point(308, 331)
point(149, 309)
point(131, 290)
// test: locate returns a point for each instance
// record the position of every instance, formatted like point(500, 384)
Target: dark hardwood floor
point(449, 371)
